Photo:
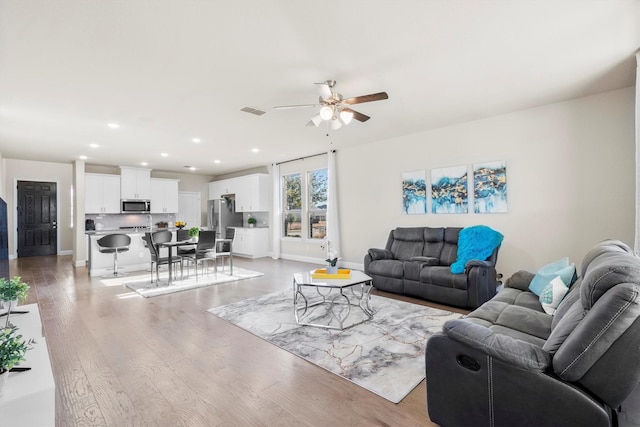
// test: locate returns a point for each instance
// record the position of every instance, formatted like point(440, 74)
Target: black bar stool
point(113, 244)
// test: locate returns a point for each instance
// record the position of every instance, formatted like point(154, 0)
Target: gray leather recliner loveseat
point(509, 363)
point(416, 262)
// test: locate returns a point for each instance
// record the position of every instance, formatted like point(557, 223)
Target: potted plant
point(12, 351)
point(332, 259)
point(194, 232)
point(12, 291)
point(252, 222)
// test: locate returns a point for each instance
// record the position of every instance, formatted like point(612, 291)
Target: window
point(292, 209)
point(304, 211)
point(317, 181)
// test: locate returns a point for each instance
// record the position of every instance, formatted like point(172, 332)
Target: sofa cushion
point(387, 268)
point(519, 298)
point(525, 320)
point(546, 274)
point(407, 242)
point(433, 242)
point(449, 251)
point(561, 330)
point(442, 276)
point(552, 294)
point(606, 272)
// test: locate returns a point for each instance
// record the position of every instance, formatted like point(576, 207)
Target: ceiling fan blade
point(356, 115)
point(284, 107)
point(366, 98)
point(324, 90)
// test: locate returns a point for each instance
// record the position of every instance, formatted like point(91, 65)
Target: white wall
point(570, 174)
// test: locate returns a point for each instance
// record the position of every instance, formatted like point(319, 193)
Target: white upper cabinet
point(251, 191)
point(164, 195)
point(135, 183)
point(102, 193)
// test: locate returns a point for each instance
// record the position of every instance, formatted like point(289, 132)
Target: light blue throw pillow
point(549, 272)
point(552, 294)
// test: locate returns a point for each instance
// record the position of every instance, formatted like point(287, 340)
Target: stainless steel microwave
point(135, 206)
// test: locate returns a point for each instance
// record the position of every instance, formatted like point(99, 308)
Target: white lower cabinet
point(251, 242)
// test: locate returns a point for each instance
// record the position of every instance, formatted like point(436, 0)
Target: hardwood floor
point(122, 360)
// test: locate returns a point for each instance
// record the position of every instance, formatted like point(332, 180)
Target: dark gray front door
point(37, 224)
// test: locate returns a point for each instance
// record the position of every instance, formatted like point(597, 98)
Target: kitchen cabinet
point(251, 192)
point(135, 183)
point(102, 193)
point(217, 189)
point(164, 195)
point(251, 242)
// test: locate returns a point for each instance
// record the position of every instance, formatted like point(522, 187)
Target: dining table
point(174, 244)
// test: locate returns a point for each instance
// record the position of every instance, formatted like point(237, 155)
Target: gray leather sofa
point(416, 262)
point(508, 363)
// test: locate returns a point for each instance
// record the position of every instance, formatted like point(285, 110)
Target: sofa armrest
point(519, 280)
point(425, 260)
point(509, 350)
point(377, 254)
point(478, 263)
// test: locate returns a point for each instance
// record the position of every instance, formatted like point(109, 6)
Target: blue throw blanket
point(477, 242)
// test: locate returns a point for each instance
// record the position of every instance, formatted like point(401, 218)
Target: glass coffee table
point(337, 296)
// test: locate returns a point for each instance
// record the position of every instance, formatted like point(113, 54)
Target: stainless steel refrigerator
point(221, 214)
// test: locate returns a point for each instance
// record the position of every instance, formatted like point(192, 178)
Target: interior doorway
point(37, 218)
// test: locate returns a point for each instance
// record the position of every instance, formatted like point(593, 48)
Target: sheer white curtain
point(637, 133)
point(276, 217)
point(333, 225)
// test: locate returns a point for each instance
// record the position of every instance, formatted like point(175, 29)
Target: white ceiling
point(169, 71)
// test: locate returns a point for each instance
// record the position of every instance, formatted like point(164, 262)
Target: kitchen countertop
point(140, 230)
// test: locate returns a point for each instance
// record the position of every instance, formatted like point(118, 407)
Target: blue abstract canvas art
point(449, 190)
point(414, 192)
point(490, 187)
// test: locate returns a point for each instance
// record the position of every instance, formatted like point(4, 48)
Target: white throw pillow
point(552, 294)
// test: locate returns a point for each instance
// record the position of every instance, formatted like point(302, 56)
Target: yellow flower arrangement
point(180, 224)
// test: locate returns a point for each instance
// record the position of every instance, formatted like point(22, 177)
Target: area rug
point(147, 289)
point(384, 355)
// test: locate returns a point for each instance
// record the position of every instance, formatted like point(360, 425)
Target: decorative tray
point(343, 273)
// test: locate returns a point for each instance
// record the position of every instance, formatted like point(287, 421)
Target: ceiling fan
point(334, 108)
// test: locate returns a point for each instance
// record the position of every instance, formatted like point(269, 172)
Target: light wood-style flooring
point(122, 360)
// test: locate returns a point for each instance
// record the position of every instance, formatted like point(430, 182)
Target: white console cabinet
point(251, 242)
point(30, 397)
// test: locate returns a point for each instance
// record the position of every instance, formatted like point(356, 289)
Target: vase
point(3, 381)
point(332, 269)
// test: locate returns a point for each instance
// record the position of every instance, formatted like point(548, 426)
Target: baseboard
point(79, 263)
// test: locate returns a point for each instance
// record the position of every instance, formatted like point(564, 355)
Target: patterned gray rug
point(384, 355)
point(144, 287)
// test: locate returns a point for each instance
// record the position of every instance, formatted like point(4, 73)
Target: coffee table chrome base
point(345, 297)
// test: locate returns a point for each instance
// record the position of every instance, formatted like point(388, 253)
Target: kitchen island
point(137, 258)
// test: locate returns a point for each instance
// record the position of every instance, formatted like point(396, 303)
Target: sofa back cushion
point(433, 242)
point(406, 242)
point(449, 252)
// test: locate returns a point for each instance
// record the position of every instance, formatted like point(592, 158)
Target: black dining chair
point(224, 249)
point(204, 251)
point(114, 244)
point(182, 235)
point(152, 240)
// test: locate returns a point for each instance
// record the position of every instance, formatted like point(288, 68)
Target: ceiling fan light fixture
point(326, 113)
point(336, 124)
point(346, 116)
point(316, 120)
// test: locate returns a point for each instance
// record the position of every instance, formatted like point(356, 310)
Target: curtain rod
point(305, 157)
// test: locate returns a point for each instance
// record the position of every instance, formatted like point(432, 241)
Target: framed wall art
point(490, 187)
point(414, 192)
point(449, 190)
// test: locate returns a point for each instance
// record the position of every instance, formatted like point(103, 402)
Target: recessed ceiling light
point(216, 161)
point(255, 150)
point(113, 125)
point(83, 157)
point(164, 154)
point(197, 140)
point(143, 163)
point(94, 145)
